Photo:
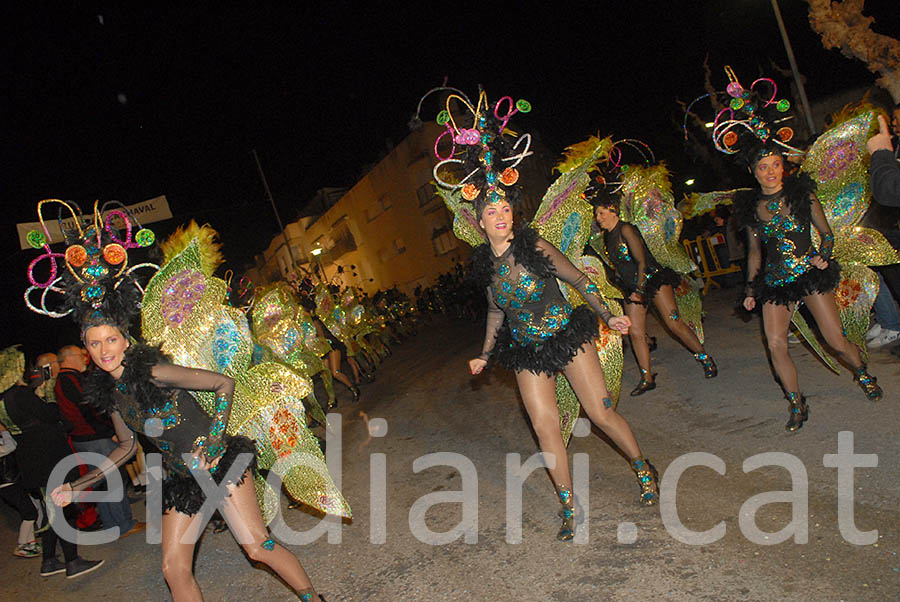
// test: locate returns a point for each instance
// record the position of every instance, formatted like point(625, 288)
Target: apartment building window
point(380, 206)
point(426, 194)
point(443, 240)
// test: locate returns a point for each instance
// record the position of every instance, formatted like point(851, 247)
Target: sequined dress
point(634, 269)
point(780, 226)
point(530, 325)
point(152, 398)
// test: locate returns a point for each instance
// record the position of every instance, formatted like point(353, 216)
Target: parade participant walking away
point(779, 217)
point(141, 390)
point(532, 328)
point(643, 281)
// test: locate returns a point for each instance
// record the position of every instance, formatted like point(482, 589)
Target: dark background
point(130, 102)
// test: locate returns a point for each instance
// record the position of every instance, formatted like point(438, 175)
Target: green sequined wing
point(699, 203)
point(564, 217)
point(855, 295)
point(648, 204)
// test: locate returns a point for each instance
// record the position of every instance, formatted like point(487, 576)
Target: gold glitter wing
point(698, 203)
point(286, 333)
point(184, 310)
point(839, 164)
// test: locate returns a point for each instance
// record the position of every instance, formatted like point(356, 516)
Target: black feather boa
point(524, 251)
point(138, 361)
point(797, 190)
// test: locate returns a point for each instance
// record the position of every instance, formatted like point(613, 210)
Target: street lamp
point(316, 252)
point(689, 182)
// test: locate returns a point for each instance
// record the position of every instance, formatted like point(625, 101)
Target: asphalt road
point(428, 403)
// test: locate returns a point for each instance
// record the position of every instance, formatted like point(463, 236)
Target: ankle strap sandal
point(868, 383)
point(648, 479)
point(710, 370)
point(799, 412)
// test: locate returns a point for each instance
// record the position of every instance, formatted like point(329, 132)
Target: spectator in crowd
point(91, 432)
point(40, 446)
point(48, 364)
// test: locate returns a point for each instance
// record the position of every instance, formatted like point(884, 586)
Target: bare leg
point(828, 319)
point(638, 333)
point(178, 556)
point(241, 510)
point(776, 322)
point(334, 364)
point(586, 377)
point(539, 396)
point(668, 309)
point(355, 367)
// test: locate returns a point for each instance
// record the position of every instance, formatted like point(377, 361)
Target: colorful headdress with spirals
point(93, 276)
point(755, 123)
point(611, 167)
point(483, 151)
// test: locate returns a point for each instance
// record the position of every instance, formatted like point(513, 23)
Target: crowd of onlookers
point(43, 419)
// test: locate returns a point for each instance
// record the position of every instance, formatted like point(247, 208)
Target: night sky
point(131, 102)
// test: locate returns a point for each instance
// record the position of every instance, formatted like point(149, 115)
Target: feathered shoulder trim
point(524, 251)
point(798, 190)
point(138, 361)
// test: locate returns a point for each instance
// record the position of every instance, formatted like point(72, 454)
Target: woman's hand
point(62, 495)
point(749, 303)
point(620, 323)
point(201, 462)
point(477, 365)
point(819, 262)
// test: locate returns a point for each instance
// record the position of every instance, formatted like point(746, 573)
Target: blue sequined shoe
point(566, 513)
point(710, 370)
point(648, 479)
point(799, 412)
point(868, 383)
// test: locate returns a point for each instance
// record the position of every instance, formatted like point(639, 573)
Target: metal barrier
point(703, 252)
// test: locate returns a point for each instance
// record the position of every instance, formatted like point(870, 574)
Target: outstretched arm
point(121, 454)
point(565, 271)
point(194, 379)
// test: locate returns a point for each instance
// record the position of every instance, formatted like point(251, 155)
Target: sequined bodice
point(787, 240)
point(628, 264)
point(174, 427)
point(534, 306)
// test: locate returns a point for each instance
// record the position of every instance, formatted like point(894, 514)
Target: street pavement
point(424, 401)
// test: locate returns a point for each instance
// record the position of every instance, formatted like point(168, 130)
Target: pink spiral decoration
point(774, 89)
point(512, 111)
point(127, 242)
point(53, 267)
point(452, 141)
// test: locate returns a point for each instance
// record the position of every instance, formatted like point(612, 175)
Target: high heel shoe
point(799, 412)
point(355, 391)
point(645, 385)
point(567, 513)
point(868, 383)
point(648, 479)
point(710, 370)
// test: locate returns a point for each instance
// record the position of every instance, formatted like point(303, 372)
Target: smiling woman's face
point(106, 345)
point(497, 219)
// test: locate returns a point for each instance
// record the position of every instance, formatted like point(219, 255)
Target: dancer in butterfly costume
point(547, 337)
point(638, 238)
point(805, 225)
point(199, 419)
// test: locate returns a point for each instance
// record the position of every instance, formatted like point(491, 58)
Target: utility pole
point(790, 52)
point(265, 183)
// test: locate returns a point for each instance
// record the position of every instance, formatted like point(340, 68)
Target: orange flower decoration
point(509, 176)
point(785, 134)
point(470, 192)
point(729, 139)
point(114, 254)
point(847, 293)
point(76, 256)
